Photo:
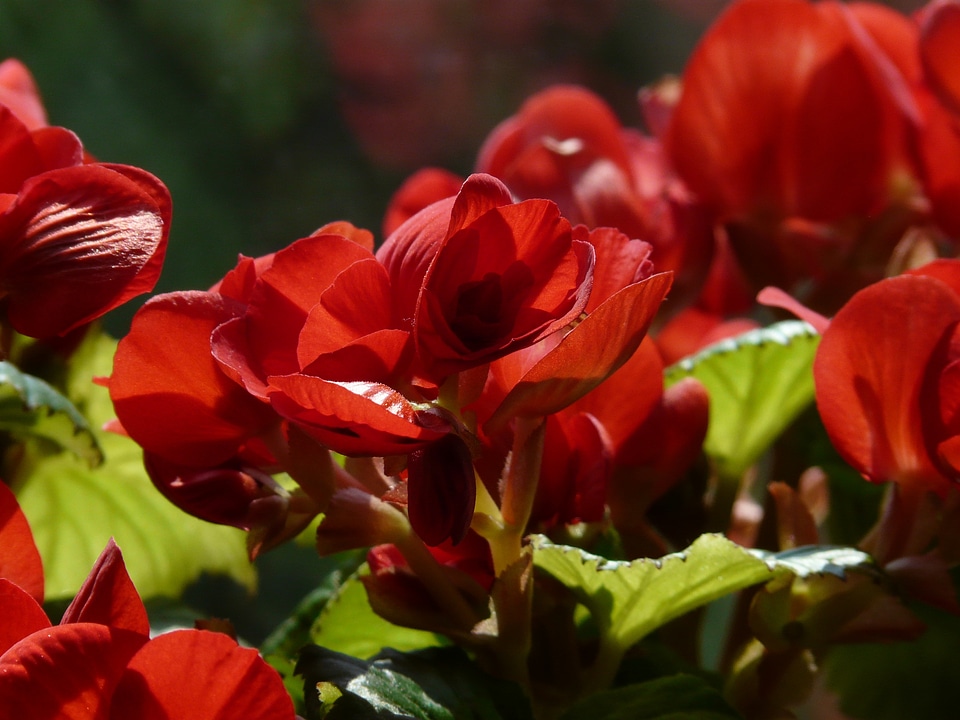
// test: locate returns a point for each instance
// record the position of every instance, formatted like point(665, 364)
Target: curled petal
point(19, 93)
point(355, 418)
point(198, 675)
point(871, 373)
point(222, 494)
point(78, 242)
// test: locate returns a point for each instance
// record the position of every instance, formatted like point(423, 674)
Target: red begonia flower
point(198, 675)
point(566, 144)
point(793, 123)
point(491, 275)
point(171, 395)
point(886, 385)
point(77, 242)
point(19, 560)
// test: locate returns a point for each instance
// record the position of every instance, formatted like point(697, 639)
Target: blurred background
point(269, 118)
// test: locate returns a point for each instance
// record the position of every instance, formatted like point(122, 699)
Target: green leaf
point(758, 383)
point(432, 684)
point(30, 407)
point(348, 624)
point(74, 509)
point(678, 697)
point(628, 600)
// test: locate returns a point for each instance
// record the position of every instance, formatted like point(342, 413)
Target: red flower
point(479, 276)
point(99, 663)
point(317, 340)
point(795, 126)
point(76, 240)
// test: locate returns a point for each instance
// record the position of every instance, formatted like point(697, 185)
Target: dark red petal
point(588, 354)
point(78, 242)
point(168, 391)
point(199, 675)
point(355, 418)
point(22, 615)
point(441, 490)
point(108, 597)
point(67, 672)
point(223, 494)
point(871, 369)
point(20, 560)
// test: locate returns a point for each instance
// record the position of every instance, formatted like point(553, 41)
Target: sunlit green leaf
point(630, 599)
point(349, 625)
point(30, 407)
point(74, 509)
point(678, 697)
point(758, 383)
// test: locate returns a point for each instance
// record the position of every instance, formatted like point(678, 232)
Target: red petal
point(199, 675)
point(871, 369)
point(19, 93)
point(108, 597)
point(19, 157)
point(480, 194)
point(588, 354)
point(20, 560)
point(168, 391)
point(67, 672)
point(355, 418)
point(939, 40)
point(734, 104)
point(22, 615)
point(286, 292)
point(420, 190)
point(78, 242)
point(621, 261)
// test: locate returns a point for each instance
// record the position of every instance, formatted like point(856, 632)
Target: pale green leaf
point(30, 407)
point(758, 383)
point(628, 600)
point(74, 509)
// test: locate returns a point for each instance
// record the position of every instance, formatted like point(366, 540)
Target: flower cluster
point(496, 366)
